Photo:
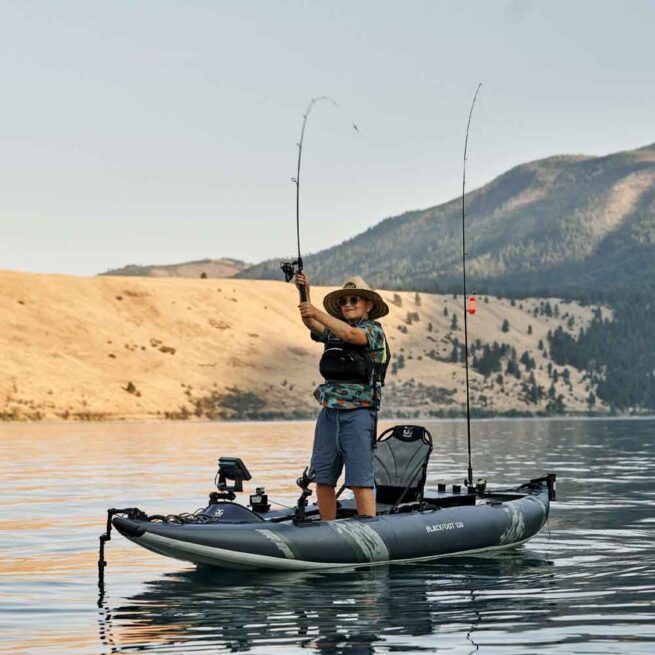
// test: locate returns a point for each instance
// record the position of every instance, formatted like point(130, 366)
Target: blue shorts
point(344, 436)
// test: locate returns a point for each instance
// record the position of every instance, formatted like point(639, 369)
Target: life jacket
point(348, 363)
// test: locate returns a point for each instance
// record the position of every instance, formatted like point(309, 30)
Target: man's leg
point(327, 502)
point(326, 462)
point(365, 501)
point(356, 428)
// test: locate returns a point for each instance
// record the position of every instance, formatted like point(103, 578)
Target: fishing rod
point(289, 268)
point(471, 307)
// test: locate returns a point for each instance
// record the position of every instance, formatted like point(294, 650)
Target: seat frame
point(408, 433)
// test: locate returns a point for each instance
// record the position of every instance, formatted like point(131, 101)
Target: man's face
point(354, 307)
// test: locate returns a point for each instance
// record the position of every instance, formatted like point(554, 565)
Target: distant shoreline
point(311, 419)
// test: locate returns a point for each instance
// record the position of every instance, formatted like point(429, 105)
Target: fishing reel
point(289, 269)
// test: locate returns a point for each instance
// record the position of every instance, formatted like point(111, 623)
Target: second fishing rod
point(470, 301)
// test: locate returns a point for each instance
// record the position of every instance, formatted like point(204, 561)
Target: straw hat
point(355, 286)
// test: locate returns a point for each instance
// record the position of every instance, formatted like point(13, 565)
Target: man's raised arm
point(311, 323)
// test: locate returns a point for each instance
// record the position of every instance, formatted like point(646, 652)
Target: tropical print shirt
point(342, 395)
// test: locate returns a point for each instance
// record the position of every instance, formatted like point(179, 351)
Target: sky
point(164, 131)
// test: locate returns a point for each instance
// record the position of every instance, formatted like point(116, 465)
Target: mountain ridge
point(539, 227)
point(225, 267)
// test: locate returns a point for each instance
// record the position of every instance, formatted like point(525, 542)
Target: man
point(353, 365)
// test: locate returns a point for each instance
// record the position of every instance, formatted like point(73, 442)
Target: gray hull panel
point(414, 536)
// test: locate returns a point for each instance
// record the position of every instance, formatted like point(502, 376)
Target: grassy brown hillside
point(112, 347)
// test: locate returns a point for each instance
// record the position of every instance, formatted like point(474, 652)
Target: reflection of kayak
point(415, 525)
point(212, 609)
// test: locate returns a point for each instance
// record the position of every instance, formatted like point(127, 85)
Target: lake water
point(586, 584)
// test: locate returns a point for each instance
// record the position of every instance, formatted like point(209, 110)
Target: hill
point(211, 268)
point(124, 347)
point(566, 226)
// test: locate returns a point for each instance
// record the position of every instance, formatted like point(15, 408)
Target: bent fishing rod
point(290, 268)
point(471, 307)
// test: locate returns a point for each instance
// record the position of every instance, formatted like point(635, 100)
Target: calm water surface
point(584, 585)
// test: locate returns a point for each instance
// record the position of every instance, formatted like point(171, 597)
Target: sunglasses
point(349, 300)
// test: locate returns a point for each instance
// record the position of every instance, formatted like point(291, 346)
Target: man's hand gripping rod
point(289, 269)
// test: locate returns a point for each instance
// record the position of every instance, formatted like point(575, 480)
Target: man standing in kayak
point(353, 364)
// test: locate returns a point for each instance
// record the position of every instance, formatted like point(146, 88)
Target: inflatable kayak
point(413, 524)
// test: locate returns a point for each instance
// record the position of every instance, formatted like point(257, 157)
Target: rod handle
point(303, 293)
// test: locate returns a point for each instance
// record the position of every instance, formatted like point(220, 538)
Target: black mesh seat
point(401, 463)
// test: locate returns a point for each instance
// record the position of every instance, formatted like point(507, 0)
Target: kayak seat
point(401, 458)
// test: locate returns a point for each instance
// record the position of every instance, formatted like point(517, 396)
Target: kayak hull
point(493, 523)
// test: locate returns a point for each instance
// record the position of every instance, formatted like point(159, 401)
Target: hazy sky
point(161, 131)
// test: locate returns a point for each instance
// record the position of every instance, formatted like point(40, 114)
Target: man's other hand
point(307, 310)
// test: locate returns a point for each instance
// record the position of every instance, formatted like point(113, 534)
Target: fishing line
point(548, 529)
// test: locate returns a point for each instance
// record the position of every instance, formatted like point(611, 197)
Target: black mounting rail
point(550, 480)
point(131, 513)
point(300, 512)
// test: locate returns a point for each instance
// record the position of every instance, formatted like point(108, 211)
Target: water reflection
point(58, 480)
point(332, 612)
